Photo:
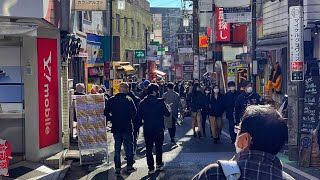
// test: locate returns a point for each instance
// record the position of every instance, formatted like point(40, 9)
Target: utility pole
point(254, 43)
point(196, 37)
point(111, 33)
point(295, 90)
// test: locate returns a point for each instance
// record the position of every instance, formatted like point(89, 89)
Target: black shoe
point(160, 167)
point(199, 135)
point(117, 172)
point(216, 140)
point(151, 171)
point(131, 169)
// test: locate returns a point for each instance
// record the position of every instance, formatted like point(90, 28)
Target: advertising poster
point(116, 84)
point(92, 132)
point(232, 66)
point(178, 68)
point(48, 92)
point(5, 153)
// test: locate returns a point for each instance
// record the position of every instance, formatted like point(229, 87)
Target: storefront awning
point(272, 44)
point(128, 68)
point(159, 72)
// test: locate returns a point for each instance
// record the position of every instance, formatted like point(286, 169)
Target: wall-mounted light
point(316, 32)
point(152, 36)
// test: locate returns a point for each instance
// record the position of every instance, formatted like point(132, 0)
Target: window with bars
point(132, 27)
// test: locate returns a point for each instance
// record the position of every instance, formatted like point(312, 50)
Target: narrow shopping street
point(183, 159)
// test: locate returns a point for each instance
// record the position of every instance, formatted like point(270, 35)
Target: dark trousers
point(135, 139)
point(127, 139)
point(172, 131)
point(204, 115)
point(231, 129)
point(152, 138)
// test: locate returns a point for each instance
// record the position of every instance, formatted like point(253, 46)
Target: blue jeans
point(127, 139)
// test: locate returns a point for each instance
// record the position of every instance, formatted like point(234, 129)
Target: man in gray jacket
point(172, 98)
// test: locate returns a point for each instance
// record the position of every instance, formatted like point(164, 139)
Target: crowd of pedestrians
point(146, 104)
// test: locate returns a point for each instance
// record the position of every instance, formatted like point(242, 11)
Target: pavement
point(183, 160)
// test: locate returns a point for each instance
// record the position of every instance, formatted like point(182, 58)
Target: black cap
point(245, 83)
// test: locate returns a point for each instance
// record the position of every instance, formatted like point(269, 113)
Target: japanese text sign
point(89, 5)
point(203, 41)
point(296, 43)
point(5, 153)
point(222, 28)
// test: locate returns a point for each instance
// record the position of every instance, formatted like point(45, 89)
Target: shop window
point(125, 25)
point(87, 15)
point(132, 27)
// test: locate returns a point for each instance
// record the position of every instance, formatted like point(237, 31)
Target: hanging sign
point(222, 28)
point(121, 4)
point(89, 5)
point(48, 92)
point(196, 67)
point(139, 54)
point(203, 41)
point(296, 43)
point(237, 14)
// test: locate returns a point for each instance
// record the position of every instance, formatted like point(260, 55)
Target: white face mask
point(238, 150)
point(216, 90)
point(249, 90)
point(232, 88)
point(207, 92)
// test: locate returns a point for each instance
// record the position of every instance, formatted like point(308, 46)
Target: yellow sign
point(232, 65)
point(203, 41)
point(116, 84)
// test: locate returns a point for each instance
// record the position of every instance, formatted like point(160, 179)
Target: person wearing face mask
point(216, 110)
point(230, 99)
point(260, 137)
point(197, 104)
point(247, 98)
point(204, 112)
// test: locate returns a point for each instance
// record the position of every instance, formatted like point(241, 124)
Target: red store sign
point(5, 155)
point(222, 28)
point(296, 66)
point(48, 92)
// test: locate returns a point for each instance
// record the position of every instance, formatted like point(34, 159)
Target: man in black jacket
point(230, 99)
point(121, 111)
point(151, 110)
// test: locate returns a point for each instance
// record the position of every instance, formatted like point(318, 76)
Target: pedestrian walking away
point(260, 136)
point(120, 110)
point(152, 111)
point(216, 110)
point(245, 99)
point(136, 122)
point(230, 99)
point(171, 97)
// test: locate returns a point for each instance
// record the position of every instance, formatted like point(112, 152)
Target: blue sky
point(165, 3)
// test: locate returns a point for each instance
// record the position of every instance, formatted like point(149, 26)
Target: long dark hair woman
point(197, 104)
point(216, 110)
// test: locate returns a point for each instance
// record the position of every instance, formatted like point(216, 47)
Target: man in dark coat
point(144, 92)
point(151, 110)
point(121, 111)
point(245, 99)
point(230, 100)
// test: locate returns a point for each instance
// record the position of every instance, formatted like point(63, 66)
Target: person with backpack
point(152, 111)
point(260, 136)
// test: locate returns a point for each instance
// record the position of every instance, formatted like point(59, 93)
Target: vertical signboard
point(296, 43)
point(178, 68)
point(222, 28)
point(203, 41)
point(196, 67)
point(48, 92)
point(242, 75)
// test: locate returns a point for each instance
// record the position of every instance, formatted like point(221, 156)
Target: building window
point(125, 25)
point(132, 27)
point(118, 23)
point(138, 29)
point(87, 15)
point(80, 23)
point(144, 30)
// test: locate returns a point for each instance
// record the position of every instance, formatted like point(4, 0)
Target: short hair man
point(120, 109)
point(151, 110)
point(260, 136)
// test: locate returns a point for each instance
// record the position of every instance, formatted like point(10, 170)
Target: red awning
point(159, 72)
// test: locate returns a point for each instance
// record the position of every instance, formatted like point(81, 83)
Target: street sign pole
point(254, 42)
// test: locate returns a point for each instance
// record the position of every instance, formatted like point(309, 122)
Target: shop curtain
point(275, 80)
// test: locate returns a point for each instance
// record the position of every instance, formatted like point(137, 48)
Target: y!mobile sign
point(48, 92)
point(222, 28)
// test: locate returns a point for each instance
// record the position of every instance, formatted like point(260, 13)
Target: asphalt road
point(183, 160)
